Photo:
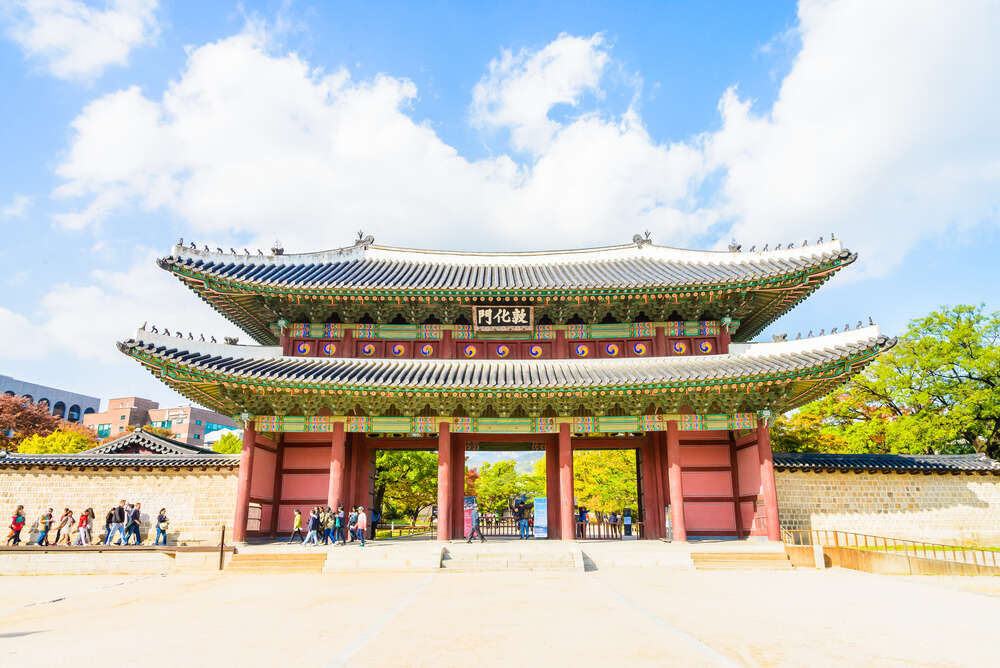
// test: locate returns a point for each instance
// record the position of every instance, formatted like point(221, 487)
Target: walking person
point(474, 522)
point(16, 524)
point(325, 524)
point(66, 525)
point(136, 521)
point(338, 522)
point(83, 527)
point(296, 527)
point(313, 528)
point(362, 524)
point(161, 527)
point(127, 531)
point(44, 526)
point(61, 526)
point(352, 523)
point(521, 514)
point(117, 523)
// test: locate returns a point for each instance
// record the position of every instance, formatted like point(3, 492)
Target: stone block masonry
point(198, 501)
point(937, 508)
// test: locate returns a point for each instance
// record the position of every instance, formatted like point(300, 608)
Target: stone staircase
point(271, 563)
point(741, 561)
point(479, 558)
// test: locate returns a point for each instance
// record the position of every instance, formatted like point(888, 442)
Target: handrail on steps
point(909, 548)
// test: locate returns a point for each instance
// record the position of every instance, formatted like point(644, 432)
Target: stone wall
point(198, 502)
point(939, 508)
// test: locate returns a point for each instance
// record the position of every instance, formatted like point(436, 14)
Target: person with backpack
point(296, 527)
point(83, 527)
point(44, 526)
point(16, 524)
point(117, 523)
point(474, 524)
point(362, 521)
point(129, 512)
point(325, 524)
point(161, 527)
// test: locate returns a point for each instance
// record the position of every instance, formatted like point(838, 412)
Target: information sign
point(541, 525)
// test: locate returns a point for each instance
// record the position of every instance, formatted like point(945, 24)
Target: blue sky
point(481, 126)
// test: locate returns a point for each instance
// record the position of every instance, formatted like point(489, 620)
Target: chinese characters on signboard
point(502, 318)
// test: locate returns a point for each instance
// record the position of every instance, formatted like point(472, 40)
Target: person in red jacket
point(16, 524)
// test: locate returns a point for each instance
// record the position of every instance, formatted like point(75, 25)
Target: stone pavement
point(609, 616)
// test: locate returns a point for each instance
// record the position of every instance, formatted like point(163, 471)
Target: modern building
point(635, 346)
point(69, 406)
point(188, 424)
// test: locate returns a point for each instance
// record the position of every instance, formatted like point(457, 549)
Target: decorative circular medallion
point(705, 347)
point(398, 349)
point(368, 349)
point(639, 349)
point(503, 350)
point(302, 348)
point(680, 348)
point(329, 349)
point(611, 350)
point(470, 350)
point(535, 351)
point(427, 350)
point(582, 350)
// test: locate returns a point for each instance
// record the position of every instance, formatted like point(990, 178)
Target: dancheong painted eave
point(251, 289)
point(777, 376)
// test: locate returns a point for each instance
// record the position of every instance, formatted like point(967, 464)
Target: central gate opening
point(607, 494)
point(505, 480)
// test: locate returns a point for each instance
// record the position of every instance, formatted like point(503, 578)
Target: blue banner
point(541, 526)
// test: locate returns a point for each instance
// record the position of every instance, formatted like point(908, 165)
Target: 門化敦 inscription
point(502, 318)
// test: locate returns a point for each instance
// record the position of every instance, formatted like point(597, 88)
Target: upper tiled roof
point(363, 267)
point(144, 439)
point(745, 361)
point(813, 461)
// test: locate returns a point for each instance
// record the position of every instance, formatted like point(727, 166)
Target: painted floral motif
point(368, 349)
point(329, 349)
point(582, 350)
point(639, 349)
point(680, 348)
point(503, 350)
point(427, 350)
point(612, 350)
point(302, 348)
point(398, 350)
point(705, 347)
point(535, 351)
point(469, 350)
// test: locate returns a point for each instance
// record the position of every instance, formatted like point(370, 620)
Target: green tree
point(500, 484)
point(68, 438)
point(605, 480)
point(406, 481)
point(230, 444)
point(938, 390)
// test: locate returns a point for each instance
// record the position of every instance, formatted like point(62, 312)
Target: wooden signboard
point(503, 318)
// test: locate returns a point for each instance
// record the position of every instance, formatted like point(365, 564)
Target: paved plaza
point(605, 617)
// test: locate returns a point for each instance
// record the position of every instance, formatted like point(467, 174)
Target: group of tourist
point(123, 521)
point(329, 526)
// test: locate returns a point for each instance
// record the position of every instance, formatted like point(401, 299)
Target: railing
point(909, 548)
point(393, 530)
point(506, 526)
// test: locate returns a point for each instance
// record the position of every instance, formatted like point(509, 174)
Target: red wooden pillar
point(552, 486)
point(674, 475)
point(362, 475)
point(650, 500)
point(285, 342)
point(444, 481)
point(447, 345)
point(338, 456)
point(457, 487)
point(567, 528)
point(347, 343)
point(661, 445)
point(660, 343)
point(767, 481)
point(279, 463)
point(656, 478)
point(560, 349)
point(243, 482)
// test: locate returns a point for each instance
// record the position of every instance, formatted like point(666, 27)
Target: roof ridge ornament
point(641, 240)
point(277, 248)
point(364, 240)
point(735, 247)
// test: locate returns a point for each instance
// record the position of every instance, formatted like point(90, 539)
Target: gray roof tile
point(816, 461)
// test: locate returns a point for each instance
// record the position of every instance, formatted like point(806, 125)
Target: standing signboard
point(467, 506)
point(541, 524)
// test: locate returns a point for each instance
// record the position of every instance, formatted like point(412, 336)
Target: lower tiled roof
point(18, 460)
point(817, 461)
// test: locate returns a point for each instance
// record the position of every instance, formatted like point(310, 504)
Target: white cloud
point(884, 130)
point(78, 41)
point(84, 319)
point(520, 89)
point(249, 142)
point(16, 208)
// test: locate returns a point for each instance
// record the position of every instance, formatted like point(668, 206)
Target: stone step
point(705, 561)
point(277, 563)
point(481, 558)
